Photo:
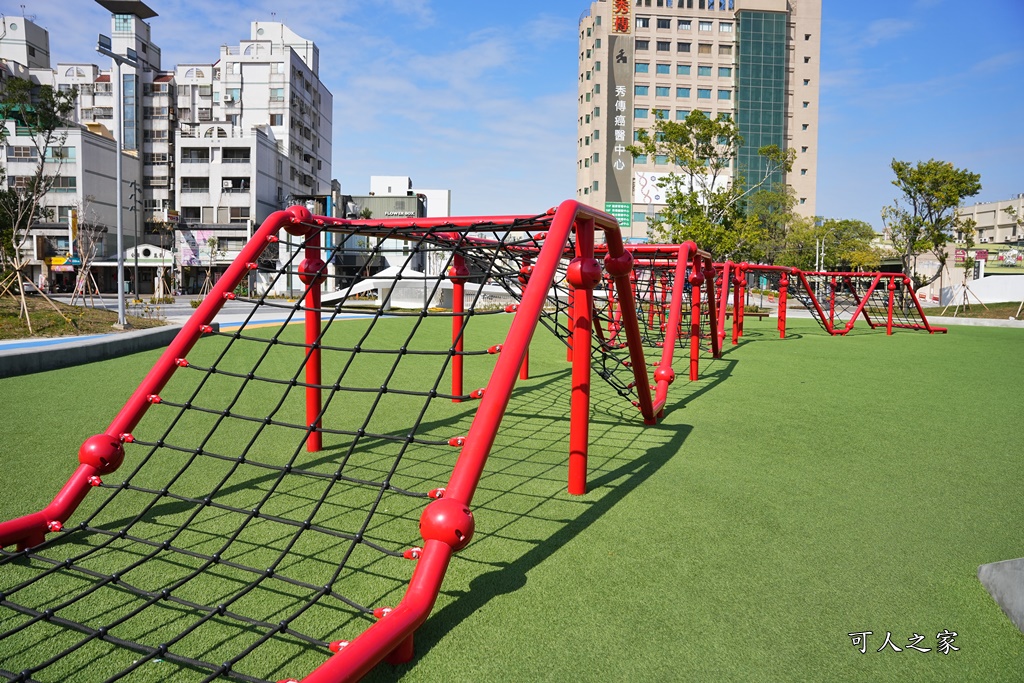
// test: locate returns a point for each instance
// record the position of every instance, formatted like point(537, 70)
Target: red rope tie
point(94, 481)
point(436, 493)
point(337, 646)
point(382, 612)
point(55, 525)
point(412, 553)
point(456, 441)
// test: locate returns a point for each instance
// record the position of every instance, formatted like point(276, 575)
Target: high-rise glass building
point(756, 61)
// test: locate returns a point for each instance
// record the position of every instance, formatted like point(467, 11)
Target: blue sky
point(480, 97)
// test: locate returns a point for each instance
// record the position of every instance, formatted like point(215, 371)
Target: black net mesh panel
point(222, 548)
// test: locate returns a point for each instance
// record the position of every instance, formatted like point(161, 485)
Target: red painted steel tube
point(783, 286)
point(814, 300)
point(30, 529)
point(664, 375)
point(313, 266)
point(724, 302)
point(737, 306)
point(582, 280)
point(394, 630)
point(696, 282)
point(920, 310)
point(709, 281)
point(892, 300)
point(571, 309)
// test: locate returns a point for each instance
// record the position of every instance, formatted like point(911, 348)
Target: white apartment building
point(755, 61)
point(212, 148)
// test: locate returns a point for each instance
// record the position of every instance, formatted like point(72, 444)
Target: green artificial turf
point(802, 490)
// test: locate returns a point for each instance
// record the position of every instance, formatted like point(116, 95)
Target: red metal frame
point(826, 314)
point(447, 522)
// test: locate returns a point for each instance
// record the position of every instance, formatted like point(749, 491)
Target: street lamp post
point(104, 46)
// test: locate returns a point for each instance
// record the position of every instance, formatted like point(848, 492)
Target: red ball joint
point(458, 274)
point(665, 375)
point(892, 285)
point(311, 271)
point(583, 273)
point(449, 521)
point(300, 221)
point(524, 274)
point(620, 265)
point(102, 451)
point(696, 279)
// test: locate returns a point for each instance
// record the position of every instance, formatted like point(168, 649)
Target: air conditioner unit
point(225, 184)
point(229, 98)
point(984, 240)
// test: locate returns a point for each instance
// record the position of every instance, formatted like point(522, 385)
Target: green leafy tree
point(924, 217)
point(40, 115)
point(702, 203)
point(844, 244)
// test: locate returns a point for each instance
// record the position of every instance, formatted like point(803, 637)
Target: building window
point(807, 81)
point(804, 149)
point(641, 90)
point(803, 200)
point(806, 104)
point(277, 94)
point(664, 23)
point(639, 113)
point(664, 46)
point(642, 67)
point(597, 157)
point(643, 45)
point(664, 69)
point(807, 36)
point(64, 184)
point(803, 171)
point(703, 70)
point(122, 23)
point(704, 26)
point(704, 49)
point(681, 114)
point(643, 22)
point(725, 94)
point(803, 126)
point(597, 43)
point(683, 47)
point(724, 27)
point(683, 24)
point(597, 112)
point(703, 93)
point(640, 159)
point(725, 72)
point(725, 50)
point(661, 113)
point(807, 60)
point(660, 159)
point(682, 92)
point(682, 69)
point(661, 91)
point(597, 66)
point(594, 186)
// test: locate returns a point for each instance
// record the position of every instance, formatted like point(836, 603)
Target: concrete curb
point(24, 361)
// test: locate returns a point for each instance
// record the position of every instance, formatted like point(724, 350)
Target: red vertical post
point(892, 301)
point(723, 302)
point(741, 283)
point(311, 273)
point(737, 305)
point(458, 273)
point(783, 288)
point(583, 274)
point(696, 280)
point(572, 316)
point(832, 302)
point(709, 282)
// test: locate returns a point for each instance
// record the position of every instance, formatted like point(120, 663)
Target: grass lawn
point(46, 322)
point(997, 311)
point(804, 489)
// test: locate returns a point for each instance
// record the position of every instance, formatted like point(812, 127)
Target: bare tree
point(40, 115)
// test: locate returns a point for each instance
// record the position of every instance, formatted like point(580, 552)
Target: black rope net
point(841, 296)
point(224, 550)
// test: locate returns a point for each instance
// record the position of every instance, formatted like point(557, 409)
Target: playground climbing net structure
point(251, 513)
point(280, 500)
